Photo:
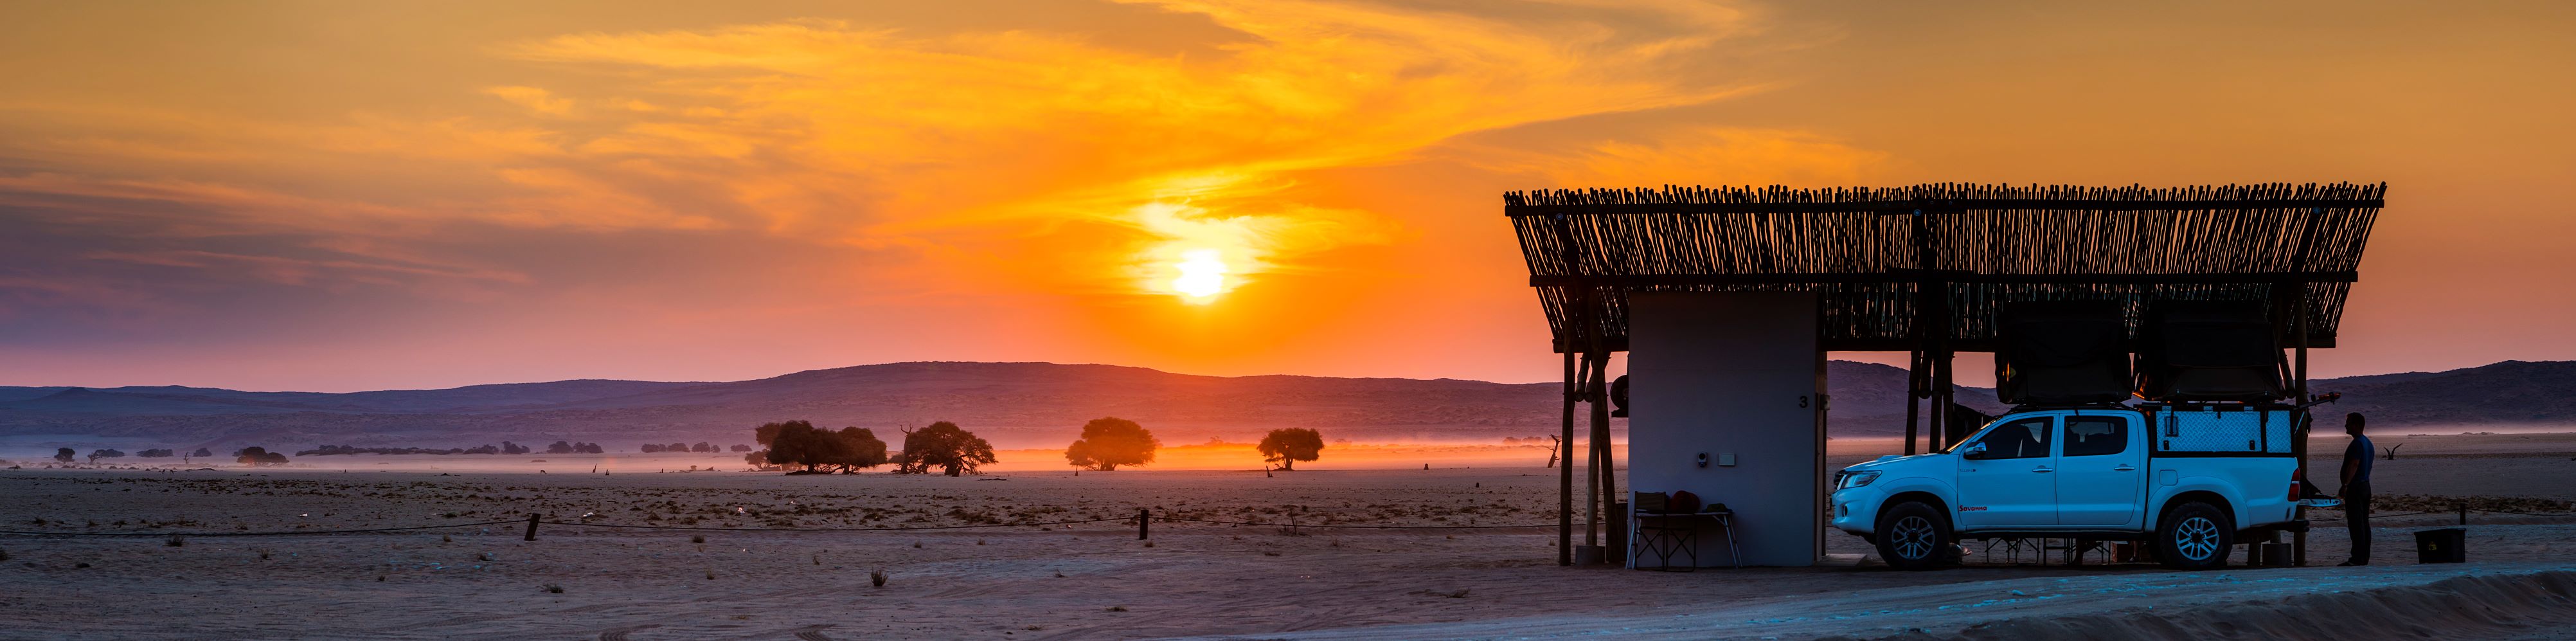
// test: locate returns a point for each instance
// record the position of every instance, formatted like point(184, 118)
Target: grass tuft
point(176, 541)
point(877, 578)
point(557, 589)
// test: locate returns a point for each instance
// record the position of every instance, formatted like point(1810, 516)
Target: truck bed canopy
point(1926, 266)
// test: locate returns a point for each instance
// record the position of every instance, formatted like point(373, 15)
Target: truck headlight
point(1858, 479)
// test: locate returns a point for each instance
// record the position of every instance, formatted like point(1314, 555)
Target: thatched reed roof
point(1872, 252)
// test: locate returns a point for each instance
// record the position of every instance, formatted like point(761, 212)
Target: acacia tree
point(1109, 442)
point(256, 455)
point(64, 454)
point(1288, 446)
point(800, 443)
point(944, 445)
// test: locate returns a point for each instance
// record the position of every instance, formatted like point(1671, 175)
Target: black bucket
point(2446, 545)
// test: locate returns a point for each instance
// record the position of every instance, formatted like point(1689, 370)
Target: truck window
point(2096, 435)
point(2025, 438)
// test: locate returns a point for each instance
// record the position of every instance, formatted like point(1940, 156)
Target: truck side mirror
point(1973, 451)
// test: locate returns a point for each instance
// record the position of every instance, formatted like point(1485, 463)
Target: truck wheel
point(1914, 536)
point(2195, 536)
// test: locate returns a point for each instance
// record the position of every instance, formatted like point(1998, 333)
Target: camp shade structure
point(1925, 269)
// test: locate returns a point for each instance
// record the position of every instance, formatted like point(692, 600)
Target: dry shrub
point(264, 553)
point(1117, 608)
point(557, 589)
point(176, 541)
point(877, 578)
point(697, 538)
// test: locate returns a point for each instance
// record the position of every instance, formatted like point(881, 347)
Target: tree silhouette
point(1109, 442)
point(256, 455)
point(800, 443)
point(944, 445)
point(64, 454)
point(1288, 446)
point(202, 452)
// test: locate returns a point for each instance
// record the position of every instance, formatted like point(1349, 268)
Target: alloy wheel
point(1913, 537)
point(2196, 537)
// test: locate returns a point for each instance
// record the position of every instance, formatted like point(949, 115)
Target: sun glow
point(1202, 275)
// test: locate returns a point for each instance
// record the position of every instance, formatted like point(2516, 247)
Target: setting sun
point(1202, 275)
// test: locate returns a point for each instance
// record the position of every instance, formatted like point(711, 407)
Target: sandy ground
point(1097, 581)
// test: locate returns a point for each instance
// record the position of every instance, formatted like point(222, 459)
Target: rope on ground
point(1356, 527)
point(285, 533)
point(832, 529)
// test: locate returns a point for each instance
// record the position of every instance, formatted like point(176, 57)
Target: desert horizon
point(1272, 320)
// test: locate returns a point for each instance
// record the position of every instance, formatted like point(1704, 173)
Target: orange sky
point(338, 196)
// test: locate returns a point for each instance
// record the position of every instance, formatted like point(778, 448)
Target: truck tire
point(1915, 536)
point(2195, 536)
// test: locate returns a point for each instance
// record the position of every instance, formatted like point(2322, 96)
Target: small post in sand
point(532, 526)
point(1141, 520)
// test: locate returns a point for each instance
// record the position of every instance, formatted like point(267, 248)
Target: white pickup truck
point(2189, 478)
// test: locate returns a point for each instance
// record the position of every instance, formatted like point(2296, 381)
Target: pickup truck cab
point(2191, 479)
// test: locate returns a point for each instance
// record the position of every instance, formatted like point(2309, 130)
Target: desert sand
point(1097, 581)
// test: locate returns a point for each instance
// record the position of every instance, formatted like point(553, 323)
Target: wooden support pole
point(1595, 450)
point(1605, 474)
point(2299, 369)
point(532, 527)
point(1943, 395)
point(1913, 405)
point(1565, 444)
point(1142, 519)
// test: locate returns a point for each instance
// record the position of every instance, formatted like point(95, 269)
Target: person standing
point(2356, 488)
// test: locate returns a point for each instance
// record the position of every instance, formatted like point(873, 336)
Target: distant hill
point(1042, 404)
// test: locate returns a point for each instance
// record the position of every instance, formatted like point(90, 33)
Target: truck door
point(2099, 471)
point(2007, 478)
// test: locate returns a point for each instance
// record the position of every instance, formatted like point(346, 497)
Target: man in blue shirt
point(2356, 489)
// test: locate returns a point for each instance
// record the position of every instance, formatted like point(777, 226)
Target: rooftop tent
point(1929, 269)
point(2061, 352)
point(2208, 351)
